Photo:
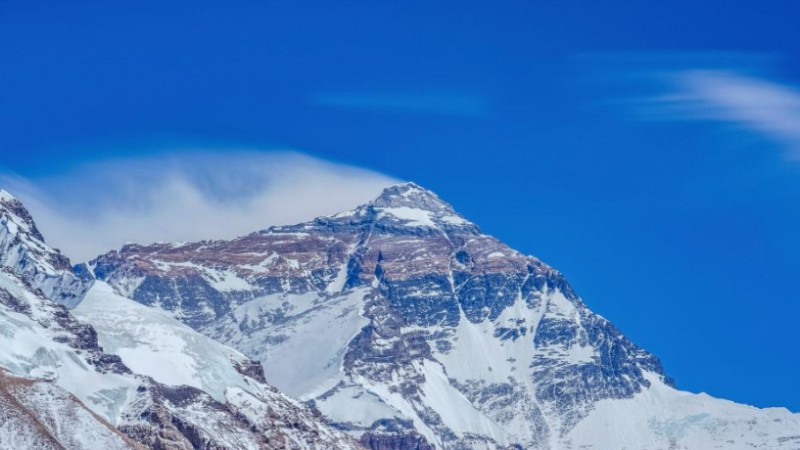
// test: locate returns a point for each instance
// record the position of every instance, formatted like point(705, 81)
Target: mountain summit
point(410, 194)
point(406, 207)
point(410, 329)
point(410, 204)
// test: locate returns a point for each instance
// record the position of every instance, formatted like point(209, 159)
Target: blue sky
point(651, 152)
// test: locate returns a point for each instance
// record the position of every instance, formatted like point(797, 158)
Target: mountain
point(165, 386)
point(23, 251)
point(410, 329)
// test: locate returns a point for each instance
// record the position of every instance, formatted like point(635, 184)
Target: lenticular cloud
point(187, 196)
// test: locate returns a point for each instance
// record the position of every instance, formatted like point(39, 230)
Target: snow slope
point(665, 418)
point(152, 343)
point(40, 415)
point(35, 344)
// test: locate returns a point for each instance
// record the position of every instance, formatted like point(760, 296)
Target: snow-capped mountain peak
point(14, 211)
point(23, 251)
point(411, 205)
point(405, 207)
point(411, 195)
point(409, 328)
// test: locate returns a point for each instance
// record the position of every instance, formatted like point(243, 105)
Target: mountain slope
point(408, 327)
point(154, 344)
point(61, 389)
point(38, 414)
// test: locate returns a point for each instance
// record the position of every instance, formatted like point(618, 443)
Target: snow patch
point(228, 281)
point(415, 217)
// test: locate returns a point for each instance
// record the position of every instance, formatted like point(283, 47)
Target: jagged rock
point(411, 441)
point(23, 250)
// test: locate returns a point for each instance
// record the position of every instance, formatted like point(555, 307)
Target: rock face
point(61, 388)
point(411, 329)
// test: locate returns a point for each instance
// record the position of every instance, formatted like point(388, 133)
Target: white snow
point(316, 337)
point(28, 349)
point(475, 354)
point(662, 418)
point(454, 220)
point(415, 217)
point(6, 196)
point(337, 285)
point(345, 214)
point(354, 405)
point(228, 281)
point(48, 417)
point(454, 409)
point(221, 280)
point(578, 354)
point(262, 265)
point(456, 412)
point(152, 343)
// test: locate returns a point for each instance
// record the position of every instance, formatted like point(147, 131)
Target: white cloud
point(186, 196)
point(738, 89)
point(754, 103)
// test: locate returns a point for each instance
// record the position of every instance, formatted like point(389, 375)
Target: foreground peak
point(19, 215)
point(24, 253)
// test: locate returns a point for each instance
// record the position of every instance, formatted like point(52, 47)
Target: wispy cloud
point(436, 103)
point(186, 196)
point(757, 104)
point(732, 88)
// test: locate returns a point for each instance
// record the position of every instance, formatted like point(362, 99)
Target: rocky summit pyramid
point(410, 329)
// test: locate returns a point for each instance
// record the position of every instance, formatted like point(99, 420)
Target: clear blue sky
point(648, 150)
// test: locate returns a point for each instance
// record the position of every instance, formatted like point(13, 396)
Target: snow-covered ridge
point(167, 386)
